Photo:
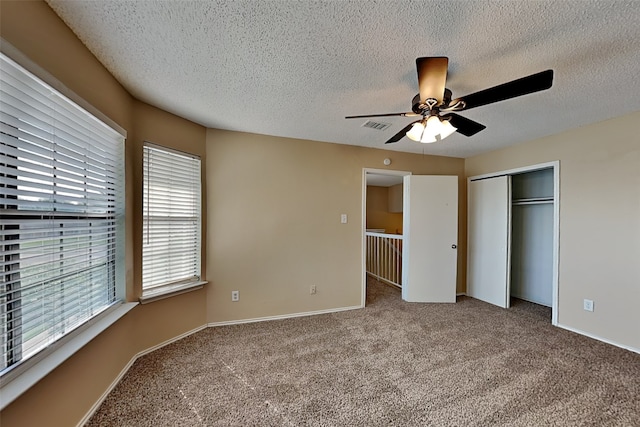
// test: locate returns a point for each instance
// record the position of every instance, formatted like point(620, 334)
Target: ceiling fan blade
point(398, 136)
point(410, 114)
point(525, 85)
point(432, 77)
point(465, 126)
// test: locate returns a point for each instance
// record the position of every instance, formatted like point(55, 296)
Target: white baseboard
point(595, 337)
point(283, 316)
point(109, 389)
point(461, 294)
point(115, 382)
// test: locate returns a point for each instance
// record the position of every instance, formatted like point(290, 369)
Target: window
point(171, 220)
point(61, 215)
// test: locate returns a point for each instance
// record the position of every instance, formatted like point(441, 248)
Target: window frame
point(184, 284)
point(18, 378)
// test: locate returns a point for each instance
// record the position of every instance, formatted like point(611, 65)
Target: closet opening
point(531, 266)
point(513, 234)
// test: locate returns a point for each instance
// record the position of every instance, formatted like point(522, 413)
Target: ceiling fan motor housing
point(416, 103)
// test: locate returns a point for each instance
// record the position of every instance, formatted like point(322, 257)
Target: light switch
point(343, 218)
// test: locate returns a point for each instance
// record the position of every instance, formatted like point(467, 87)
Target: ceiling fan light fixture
point(415, 133)
point(430, 130)
point(418, 133)
point(434, 126)
point(446, 129)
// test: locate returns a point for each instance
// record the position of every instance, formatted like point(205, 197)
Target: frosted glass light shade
point(431, 130)
point(446, 129)
point(418, 133)
point(415, 133)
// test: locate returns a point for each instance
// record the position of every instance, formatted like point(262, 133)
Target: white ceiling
point(296, 68)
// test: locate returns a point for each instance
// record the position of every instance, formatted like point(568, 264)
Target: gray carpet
point(390, 364)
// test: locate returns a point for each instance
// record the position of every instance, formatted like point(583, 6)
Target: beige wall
point(275, 227)
point(64, 396)
point(599, 222)
point(378, 215)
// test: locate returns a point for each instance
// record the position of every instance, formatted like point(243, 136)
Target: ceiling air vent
point(375, 125)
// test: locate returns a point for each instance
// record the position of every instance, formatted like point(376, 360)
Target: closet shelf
point(532, 201)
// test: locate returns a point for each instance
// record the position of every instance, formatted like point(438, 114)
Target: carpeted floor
point(390, 364)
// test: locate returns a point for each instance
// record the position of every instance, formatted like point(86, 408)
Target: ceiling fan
point(435, 106)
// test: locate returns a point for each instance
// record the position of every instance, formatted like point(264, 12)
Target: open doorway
point(422, 261)
point(382, 219)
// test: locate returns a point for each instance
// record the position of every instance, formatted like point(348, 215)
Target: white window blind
point(61, 213)
point(171, 218)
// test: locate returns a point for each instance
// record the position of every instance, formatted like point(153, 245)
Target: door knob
point(454, 246)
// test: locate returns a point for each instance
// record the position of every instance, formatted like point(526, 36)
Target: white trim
point(385, 172)
point(170, 341)
point(161, 147)
point(41, 367)
point(461, 294)
point(598, 338)
point(24, 61)
point(109, 389)
point(556, 243)
point(167, 291)
point(363, 225)
point(516, 171)
point(392, 236)
point(509, 237)
point(555, 165)
point(283, 316)
point(128, 366)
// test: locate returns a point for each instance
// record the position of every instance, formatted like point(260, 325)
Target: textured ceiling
point(296, 68)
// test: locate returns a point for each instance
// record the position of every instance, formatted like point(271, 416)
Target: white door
point(488, 218)
point(430, 233)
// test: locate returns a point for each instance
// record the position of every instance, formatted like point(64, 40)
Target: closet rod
point(533, 202)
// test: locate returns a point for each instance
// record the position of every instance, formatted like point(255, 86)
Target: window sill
point(168, 291)
point(13, 384)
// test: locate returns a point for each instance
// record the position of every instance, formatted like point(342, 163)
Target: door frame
point(555, 165)
point(363, 243)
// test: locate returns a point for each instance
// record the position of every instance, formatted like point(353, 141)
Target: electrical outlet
point(235, 296)
point(312, 289)
point(343, 218)
point(588, 305)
